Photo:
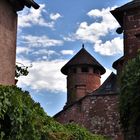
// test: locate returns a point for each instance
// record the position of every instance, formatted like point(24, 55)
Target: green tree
point(23, 119)
point(130, 99)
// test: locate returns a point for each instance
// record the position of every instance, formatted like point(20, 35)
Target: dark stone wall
point(98, 113)
point(131, 33)
point(8, 30)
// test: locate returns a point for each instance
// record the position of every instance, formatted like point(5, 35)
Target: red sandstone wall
point(97, 113)
point(80, 84)
point(8, 28)
point(131, 28)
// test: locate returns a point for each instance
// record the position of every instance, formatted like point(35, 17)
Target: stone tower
point(83, 75)
point(128, 16)
point(8, 31)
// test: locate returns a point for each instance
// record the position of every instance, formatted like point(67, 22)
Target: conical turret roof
point(83, 58)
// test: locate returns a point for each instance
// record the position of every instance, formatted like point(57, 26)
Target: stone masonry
point(8, 31)
point(97, 113)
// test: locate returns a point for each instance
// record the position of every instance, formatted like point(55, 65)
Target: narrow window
point(84, 69)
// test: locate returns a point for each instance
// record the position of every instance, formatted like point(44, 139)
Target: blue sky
point(50, 36)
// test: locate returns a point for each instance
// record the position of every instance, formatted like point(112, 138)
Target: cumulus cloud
point(103, 24)
point(44, 51)
point(24, 50)
point(115, 46)
point(45, 54)
point(67, 52)
point(92, 32)
point(55, 16)
point(40, 41)
point(31, 16)
point(45, 75)
point(70, 38)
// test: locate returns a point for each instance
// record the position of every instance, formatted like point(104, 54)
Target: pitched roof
point(19, 4)
point(83, 58)
point(108, 87)
point(118, 12)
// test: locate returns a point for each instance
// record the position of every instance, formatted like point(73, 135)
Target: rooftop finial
point(83, 45)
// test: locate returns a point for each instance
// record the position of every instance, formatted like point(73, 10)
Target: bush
point(81, 133)
point(23, 119)
point(130, 99)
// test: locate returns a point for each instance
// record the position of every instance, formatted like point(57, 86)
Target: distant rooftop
point(108, 87)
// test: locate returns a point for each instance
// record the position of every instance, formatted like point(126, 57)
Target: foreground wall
point(8, 29)
point(98, 113)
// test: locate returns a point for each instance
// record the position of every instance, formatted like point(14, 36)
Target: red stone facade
point(131, 33)
point(8, 31)
point(98, 113)
point(128, 16)
point(79, 84)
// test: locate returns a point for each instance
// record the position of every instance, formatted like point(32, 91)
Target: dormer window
point(84, 69)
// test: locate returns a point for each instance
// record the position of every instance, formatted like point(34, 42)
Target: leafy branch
point(21, 70)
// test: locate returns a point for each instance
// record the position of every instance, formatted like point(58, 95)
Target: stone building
point(97, 110)
point(8, 32)
point(83, 75)
point(90, 104)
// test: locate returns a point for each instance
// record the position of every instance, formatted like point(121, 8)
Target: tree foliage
point(130, 99)
point(21, 71)
point(23, 119)
point(80, 133)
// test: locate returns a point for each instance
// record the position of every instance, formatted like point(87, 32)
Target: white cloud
point(24, 50)
point(31, 16)
point(113, 47)
point(55, 16)
point(44, 52)
point(92, 32)
point(45, 75)
point(67, 52)
point(70, 38)
point(40, 41)
point(23, 61)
